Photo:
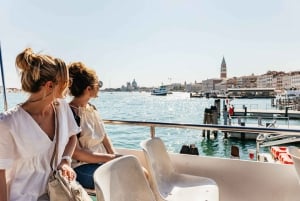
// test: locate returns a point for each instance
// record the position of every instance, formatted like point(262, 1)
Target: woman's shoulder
point(61, 103)
point(11, 113)
point(92, 106)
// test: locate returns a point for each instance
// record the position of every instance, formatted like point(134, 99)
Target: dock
point(291, 114)
point(196, 95)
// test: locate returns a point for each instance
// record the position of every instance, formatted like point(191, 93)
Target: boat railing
point(251, 107)
point(268, 136)
point(261, 121)
point(3, 82)
point(213, 127)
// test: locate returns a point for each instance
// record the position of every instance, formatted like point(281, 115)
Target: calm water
point(174, 108)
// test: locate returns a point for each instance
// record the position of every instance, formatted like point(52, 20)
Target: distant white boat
point(161, 91)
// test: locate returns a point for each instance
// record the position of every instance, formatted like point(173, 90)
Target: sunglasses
point(99, 84)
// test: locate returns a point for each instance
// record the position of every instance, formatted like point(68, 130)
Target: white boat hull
point(239, 180)
point(159, 93)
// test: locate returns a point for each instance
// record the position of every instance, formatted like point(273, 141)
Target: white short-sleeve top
point(25, 150)
point(92, 131)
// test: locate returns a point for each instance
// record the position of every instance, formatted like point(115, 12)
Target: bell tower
point(223, 69)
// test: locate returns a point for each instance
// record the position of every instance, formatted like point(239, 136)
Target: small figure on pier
point(231, 110)
point(225, 114)
point(225, 118)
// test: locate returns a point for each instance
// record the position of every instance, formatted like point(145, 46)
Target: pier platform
point(291, 114)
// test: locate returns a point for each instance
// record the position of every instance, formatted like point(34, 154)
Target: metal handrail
point(3, 81)
point(224, 128)
point(291, 135)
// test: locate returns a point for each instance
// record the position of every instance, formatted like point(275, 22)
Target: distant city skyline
point(155, 41)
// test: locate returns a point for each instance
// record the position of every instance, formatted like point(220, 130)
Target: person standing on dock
point(225, 114)
point(231, 110)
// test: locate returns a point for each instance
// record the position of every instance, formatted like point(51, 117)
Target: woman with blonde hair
point(29, 130)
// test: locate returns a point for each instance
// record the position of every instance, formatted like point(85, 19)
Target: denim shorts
point(85, 174)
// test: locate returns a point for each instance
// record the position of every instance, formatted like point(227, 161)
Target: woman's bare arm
point(108, 145)
point(65, 165)
point(91, 157)
point(70, 147)
point(3, 186)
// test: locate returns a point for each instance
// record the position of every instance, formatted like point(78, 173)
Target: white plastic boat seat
point(295, 153)
point(122, 179)
point(167, 184)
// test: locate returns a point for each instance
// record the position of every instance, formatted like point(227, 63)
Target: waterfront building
point(295, 80)
point(226, 84)
point(286, 81)
point(209, 85)
point(134, 85)
point(197, 86)
point(266, 80)
point(277, 81)
point(231, 82)
point(194, 87)
point(271, 79)
point(221, 87)
point(130, 86)
point(223, 74)
point(176, 87)
point(249, 81)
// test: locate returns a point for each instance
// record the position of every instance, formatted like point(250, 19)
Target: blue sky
point(157, 41)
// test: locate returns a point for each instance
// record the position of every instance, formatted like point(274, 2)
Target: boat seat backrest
point(122, 179)
point(159, 163)
point(167, 184)
point(158, 157)
point(295, 153)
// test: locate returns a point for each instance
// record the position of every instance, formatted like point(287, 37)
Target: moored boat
point(196, 95)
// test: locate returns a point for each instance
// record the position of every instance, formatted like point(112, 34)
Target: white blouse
point(92, 131)
point(26, 150)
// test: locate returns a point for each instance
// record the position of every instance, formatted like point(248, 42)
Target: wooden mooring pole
point(210, 117)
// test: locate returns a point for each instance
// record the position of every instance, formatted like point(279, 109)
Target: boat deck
point(238, 179)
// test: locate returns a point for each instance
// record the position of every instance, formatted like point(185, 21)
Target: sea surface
point(173, 108)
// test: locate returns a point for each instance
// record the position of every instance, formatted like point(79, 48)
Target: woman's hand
point(66, 170)
point(3, 186)
point(118, 155)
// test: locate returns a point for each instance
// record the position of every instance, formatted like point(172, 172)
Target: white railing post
point(152, 131)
